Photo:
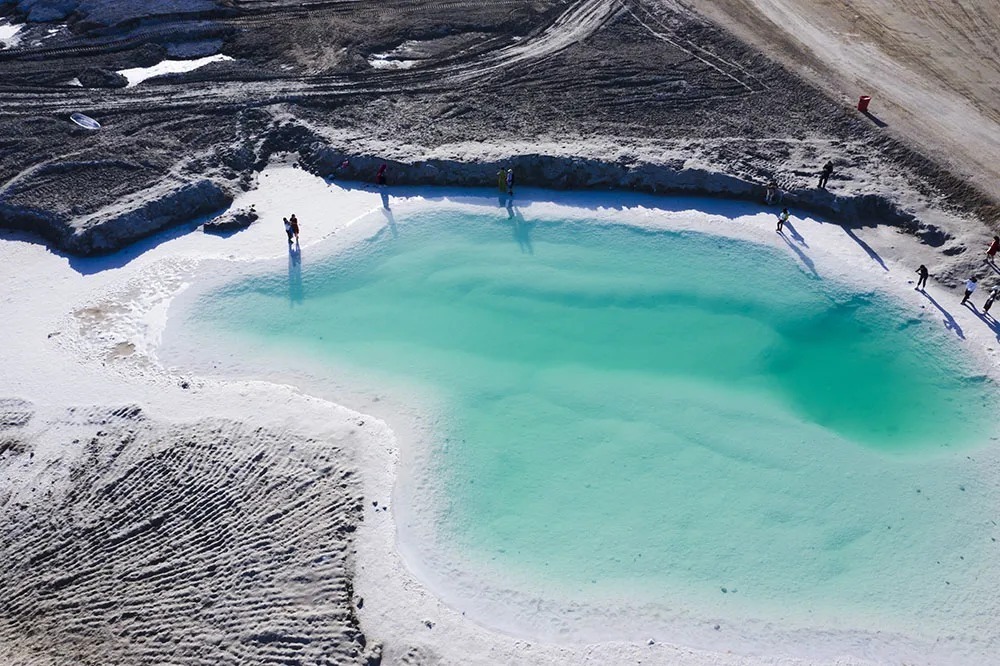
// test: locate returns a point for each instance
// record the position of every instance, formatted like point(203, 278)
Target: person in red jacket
point(991, 251)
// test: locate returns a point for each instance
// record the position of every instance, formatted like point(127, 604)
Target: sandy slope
point(932, 67)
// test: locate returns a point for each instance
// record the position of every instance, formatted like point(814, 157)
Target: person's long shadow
point(522, 228)
point(296, 293)
point(866, 247)
point(390, 221)
point(986, 318)
point(803, 257)
point(796, 236)
point(949, 321)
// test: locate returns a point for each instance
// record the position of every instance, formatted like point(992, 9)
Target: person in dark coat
point(825, 174)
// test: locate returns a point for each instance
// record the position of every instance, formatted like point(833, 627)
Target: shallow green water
point(667, 412)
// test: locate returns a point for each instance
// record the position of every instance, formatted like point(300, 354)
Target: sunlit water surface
point(674, 418)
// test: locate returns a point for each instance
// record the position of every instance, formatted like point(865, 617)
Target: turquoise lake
point(662, 414)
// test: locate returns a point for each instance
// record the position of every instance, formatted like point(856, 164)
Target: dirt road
point(932, 67)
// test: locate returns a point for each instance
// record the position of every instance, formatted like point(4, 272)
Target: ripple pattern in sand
point(199, 543)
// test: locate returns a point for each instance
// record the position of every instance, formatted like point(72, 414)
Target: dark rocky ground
point(650, 75)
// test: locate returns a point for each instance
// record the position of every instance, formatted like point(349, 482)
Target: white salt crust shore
point(54, 358)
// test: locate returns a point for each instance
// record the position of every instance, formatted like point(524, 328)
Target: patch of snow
point(137, 75)
point(8, 35)
point(400, 57)
point(386, 61)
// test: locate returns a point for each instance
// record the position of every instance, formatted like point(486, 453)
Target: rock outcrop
point(95, 77)
point(166, 205)
point(232, 222)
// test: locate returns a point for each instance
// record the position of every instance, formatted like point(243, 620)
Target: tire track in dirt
point(578, 22)
point(664, 32)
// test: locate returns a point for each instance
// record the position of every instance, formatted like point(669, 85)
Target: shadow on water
point(594, 200)
point(803, 257)
point(390, 221)
point(522, 228)
point(296, 293)
point(866, 247)
point(590, 199)
point(949, 321)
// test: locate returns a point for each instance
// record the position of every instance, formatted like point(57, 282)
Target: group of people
point(970, 286)
point(973, 282)
point(773, 195)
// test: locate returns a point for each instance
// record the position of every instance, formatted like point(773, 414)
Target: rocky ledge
point(162, 206)
point(232, 222)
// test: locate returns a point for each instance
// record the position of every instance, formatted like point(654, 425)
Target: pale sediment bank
point(629, 175)
point(141, 540)
point(177, 202)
